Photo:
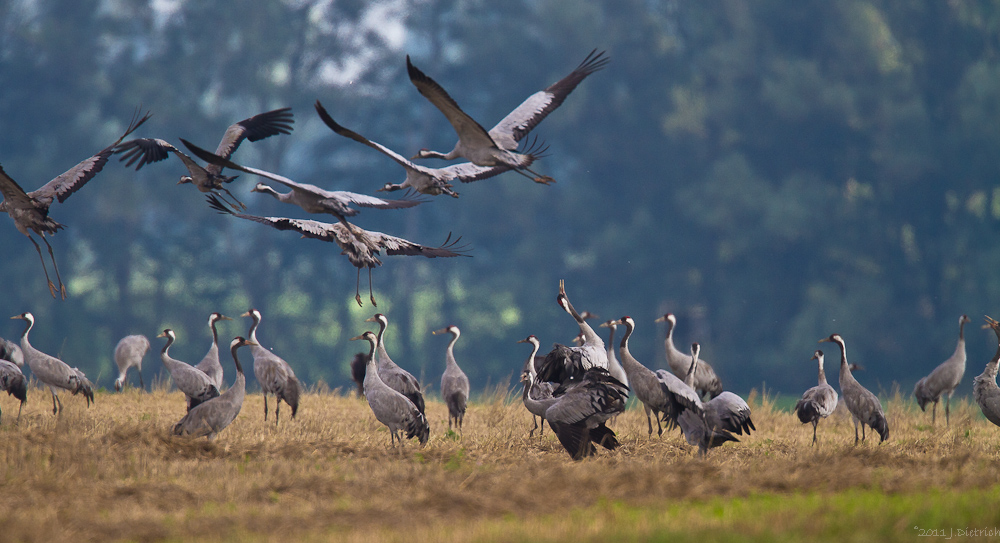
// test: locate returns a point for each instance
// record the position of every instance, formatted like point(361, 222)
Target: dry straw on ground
point(113, 472)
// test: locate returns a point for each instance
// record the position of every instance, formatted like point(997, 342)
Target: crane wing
point(72, 180)
point(512, 128)
point(465, 126)
point(258, 127)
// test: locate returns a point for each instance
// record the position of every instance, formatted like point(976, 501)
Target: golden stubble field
point(113, 472)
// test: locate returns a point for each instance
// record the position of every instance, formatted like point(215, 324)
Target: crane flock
point(577, 390)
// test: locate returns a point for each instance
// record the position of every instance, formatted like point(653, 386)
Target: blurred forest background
point(769, 171)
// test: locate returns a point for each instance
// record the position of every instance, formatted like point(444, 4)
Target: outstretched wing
point(399, 246)
point(465, 126)
point(14, 196)
point(348, 133)
point(71, 181)
point(512, 128)
point(308, 228)
point(258, 127)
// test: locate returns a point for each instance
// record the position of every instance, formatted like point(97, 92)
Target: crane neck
point(215, 334)
point(822, 374)
point(531, 359)
point(450, 352)
point(236, 358)
point(24, 335)
point(170, 340)
point(253, 327)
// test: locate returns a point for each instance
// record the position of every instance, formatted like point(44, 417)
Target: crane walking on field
point(454, 383)
point(211, 417)
point(128, 354)
point(817, 402)
point(274, 375)
point(391, 408)
point(863, 405)
point(944, 379)
point(53, 372)
point(196, 386)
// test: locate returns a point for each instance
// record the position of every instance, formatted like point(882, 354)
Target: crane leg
point(934, 413)
point(535, 427)
point(55, 400)
point(52, 286)
point(265, 406)
point(357, 288)
point(238, 203)
point(19, 411)
point(649, 421)
point(947, 408)
point(277, 407)
point(815, 422)
point(62, 287)
point(141, 384)
point(659, 428)
point(371, 295)
point(856, 431)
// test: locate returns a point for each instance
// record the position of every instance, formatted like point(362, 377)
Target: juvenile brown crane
point(30, 210)
point(944, 379)
point(454, 382)
point(818, 402)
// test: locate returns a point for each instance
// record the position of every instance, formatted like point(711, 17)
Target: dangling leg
point(62, 287)
point(357, 288)
point(52, 286)
point(238, 203)
point(371, 295)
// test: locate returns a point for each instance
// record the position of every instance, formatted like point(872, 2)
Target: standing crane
point(196, 386)
point(210, 363)
point(818, 402)
point(984, 386)
point(535, 393)
point(362, 247)
point(389, 372)
point(578, 412)
point(53, 372)
point(498, 147)
point(944, 379)
point(211, 417)
point(13, 382)
point(128, 354)
point(390, 407)
point(210, 179)
point(727, 410)
point(310, 198)
point(569, 363)
point(614, 366)
point(30, 210)
point(454, 383)
point(648, 388)
point(705, 379)
point(273, 374)
point(863, 405)
point(430, 181)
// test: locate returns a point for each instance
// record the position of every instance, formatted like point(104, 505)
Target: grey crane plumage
point(723, 415)
point(391, 408)
point(10, 352)
point(705, 379)
point(210, 179)
point(864, 406)
point(196, 386)
point(13, 382)
point(358, 364)
point(579, 411)
point(389, 372)
point(654, 394)
point(51, 371)
point(944, 379)
point(817, 402)
point(430, 181)
point(564, 363)
point(210, 363)
point(30, 210)
point(128, 354)
point(536, 393)
point(310, 198)
point(274, 375)
point(361, 247)
point(454, 382)
point(615, 367)
point(984, 386)
point(211, 417)
point(498, 146)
